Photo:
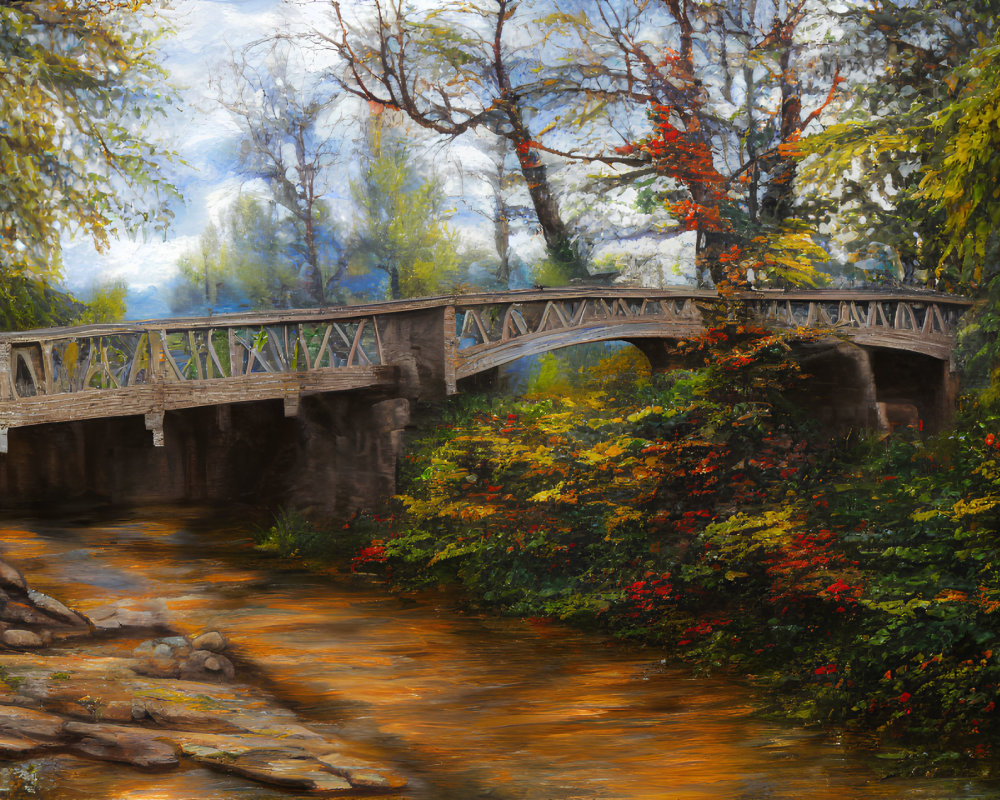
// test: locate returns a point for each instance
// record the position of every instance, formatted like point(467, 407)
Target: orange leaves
point(731, 255)
point(697, 217)
point(526, 155)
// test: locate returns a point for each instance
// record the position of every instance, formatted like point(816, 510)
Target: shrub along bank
point(695, 511)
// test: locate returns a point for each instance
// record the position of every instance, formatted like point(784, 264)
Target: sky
point(203, 136)
point(205, 139)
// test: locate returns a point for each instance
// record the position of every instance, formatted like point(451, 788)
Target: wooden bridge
point(421, 348)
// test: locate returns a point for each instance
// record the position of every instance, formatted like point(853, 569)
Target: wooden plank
point(214, 356)
point(199, 371)
point(484, 333)
point(6, 376)
point(552, 309)
point(451, 345)
point(356, 344)
point(107, 369)
point(942, 322)
point(323, 348)
point(235, 353)
point(140, 399)
point(47, 369)
point(138, 355)
point(272, 344)
point(513, 324)
point(168, 359)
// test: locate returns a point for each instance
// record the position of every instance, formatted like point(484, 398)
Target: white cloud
point(141, 264)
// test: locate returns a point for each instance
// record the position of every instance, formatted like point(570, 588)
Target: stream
point(465, 706)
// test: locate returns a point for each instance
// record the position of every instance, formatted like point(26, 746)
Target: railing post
point(450, 349)
point(6, 379)
point(6, 388)
point(154, 417)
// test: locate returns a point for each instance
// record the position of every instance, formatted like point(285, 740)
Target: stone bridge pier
point(853, 387)
point(337, 453)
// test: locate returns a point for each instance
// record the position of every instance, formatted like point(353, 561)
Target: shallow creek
point(465, 706)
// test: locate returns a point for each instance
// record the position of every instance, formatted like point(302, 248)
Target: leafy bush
point(694, 510)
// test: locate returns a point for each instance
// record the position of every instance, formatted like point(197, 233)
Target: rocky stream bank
point(120, 686)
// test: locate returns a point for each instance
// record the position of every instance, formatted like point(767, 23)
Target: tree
point(79, 91)
point(500, 211)
point(400, 223)
point(874, 170)
point(457, 68)
point(961, 181)
point(289, 140)
point(250, 259)
point(105, 302)
point(726, 92)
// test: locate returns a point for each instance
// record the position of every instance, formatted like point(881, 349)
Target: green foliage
point(859, 581)
point(401, 224)
point(962, 183)
point(81, 90)
point(292, 535)
point(105, 302)
point(556, 505)
point(289, 535)
point(873, 592)
point(249, 259)
point(889, 171)
point(32, 303)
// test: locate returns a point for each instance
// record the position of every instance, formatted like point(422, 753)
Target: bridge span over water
point(419, 349)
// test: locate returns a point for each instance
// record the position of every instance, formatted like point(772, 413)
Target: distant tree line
point(777, 133)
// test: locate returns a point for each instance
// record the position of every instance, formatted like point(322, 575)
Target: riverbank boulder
point(186, 658)
point(30, 619)
point(173, 700)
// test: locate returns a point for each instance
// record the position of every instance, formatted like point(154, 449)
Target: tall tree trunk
point(501, 234)
point(394, 289)
point(557, 239)
point(314, 278)
point(776, 205)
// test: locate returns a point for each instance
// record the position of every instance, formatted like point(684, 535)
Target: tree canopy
point(401, 222)
point(79, 91)
point(288, 140)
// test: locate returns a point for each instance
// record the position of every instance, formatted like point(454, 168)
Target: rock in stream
point(174, 698)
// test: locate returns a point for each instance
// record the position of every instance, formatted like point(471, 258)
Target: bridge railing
point(105, 357)
point(921, 322)
point(64, 361)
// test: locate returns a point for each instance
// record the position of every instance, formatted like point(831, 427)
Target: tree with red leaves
point(725, 88)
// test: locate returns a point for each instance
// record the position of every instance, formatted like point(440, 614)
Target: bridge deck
point(66, 374)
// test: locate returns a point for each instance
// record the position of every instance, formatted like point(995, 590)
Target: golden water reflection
point(467, 707)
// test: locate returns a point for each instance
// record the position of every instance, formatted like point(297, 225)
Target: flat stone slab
point(15, 746)
point(110, 707)
point(140, 747)
point(14, 637)
point(31, 724)
point(281, 767)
